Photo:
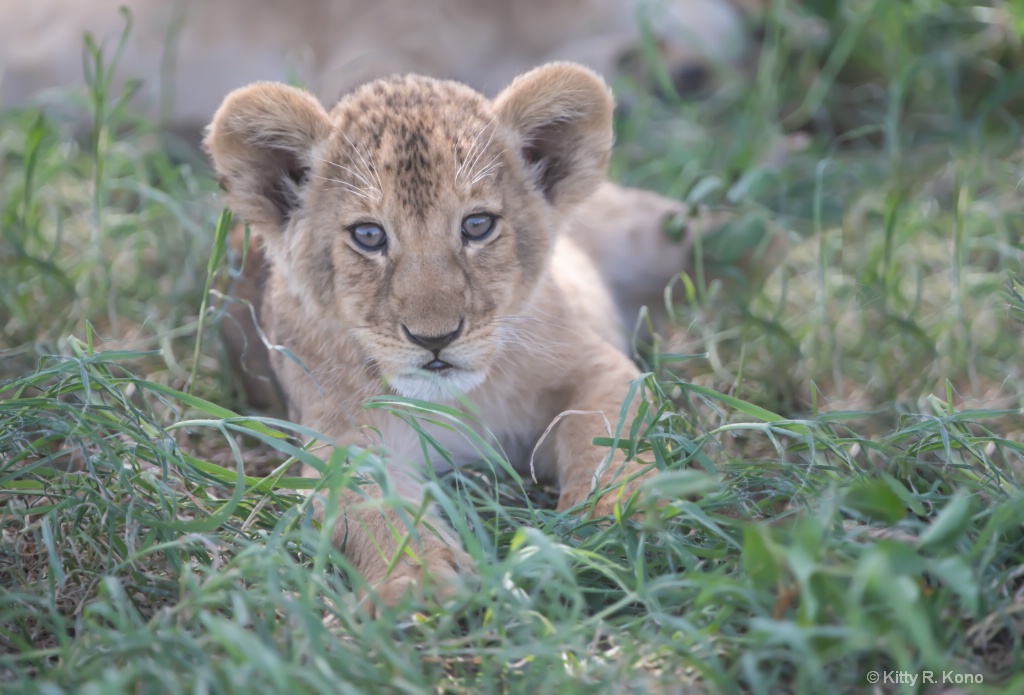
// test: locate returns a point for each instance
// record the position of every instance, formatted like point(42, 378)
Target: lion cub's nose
point(433, 343)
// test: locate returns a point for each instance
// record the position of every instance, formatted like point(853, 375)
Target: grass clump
point(842, 459)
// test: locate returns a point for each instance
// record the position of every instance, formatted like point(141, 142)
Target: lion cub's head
point(417, 215)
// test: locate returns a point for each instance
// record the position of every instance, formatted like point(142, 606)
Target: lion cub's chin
point(446, 386)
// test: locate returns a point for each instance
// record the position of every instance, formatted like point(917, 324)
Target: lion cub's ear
point(562, 115)
point(262, 142)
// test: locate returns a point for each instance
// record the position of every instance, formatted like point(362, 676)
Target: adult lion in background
point(189, 53)
point(415, 237)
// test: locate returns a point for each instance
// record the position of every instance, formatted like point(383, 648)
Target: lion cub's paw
point(605, 505)
point(445, 573)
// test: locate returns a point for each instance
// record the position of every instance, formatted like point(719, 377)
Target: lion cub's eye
point(478, 227)
point(370, 237)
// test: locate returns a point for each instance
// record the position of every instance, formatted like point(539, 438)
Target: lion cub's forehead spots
point(413, 141)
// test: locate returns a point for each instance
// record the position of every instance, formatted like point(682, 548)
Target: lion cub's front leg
point(395, 556)
point(597, 398)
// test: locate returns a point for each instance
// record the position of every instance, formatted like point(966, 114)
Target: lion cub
point(414, 236)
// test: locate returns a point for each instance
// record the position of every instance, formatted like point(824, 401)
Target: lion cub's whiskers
point(475, 150)
point(534, 319)
point(346, 186)
point(368, 164)
point(488, 170)
point(369, 189)
point(511, 336)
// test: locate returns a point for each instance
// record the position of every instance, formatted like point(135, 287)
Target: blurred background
point(187, 54)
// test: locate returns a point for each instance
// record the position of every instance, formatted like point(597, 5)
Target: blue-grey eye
point(478, 227)
point(369, 237)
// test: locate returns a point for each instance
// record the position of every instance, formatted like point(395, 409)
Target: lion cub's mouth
point(436, 380)
point(446, 368)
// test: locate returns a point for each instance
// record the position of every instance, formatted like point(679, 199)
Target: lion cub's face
point(416, 216)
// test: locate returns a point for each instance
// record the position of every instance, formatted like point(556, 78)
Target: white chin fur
point(425, 387)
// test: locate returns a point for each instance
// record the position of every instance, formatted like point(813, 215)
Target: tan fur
point(189, 53)
point(624, 232)
point(415, 156)
point(618, 239)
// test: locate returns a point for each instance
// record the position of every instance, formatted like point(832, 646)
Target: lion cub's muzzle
point(435, 344)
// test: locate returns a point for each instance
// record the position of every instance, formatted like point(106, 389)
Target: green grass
point(843, 466)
